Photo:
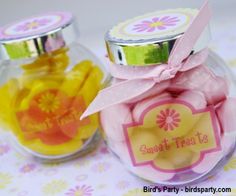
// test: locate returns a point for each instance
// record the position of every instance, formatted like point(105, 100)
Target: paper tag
point(53, 117)
point(175, 131)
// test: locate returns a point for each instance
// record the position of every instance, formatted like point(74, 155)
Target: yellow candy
point(203, 140)
point(180, 157)
point(8, 94)
point(48, 73)
point(87, 131)
point(47, 63)
point(92, 85)
point(27, 80)
point(35, 88)
point(59, 61)
point(164, 164)
point(162, 134)
point(39, 66)
point(20, 96)
point(75, 78)
point(83, 66)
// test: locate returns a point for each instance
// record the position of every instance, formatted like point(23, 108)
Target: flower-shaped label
point(53, 117)
point(174, 131)
point(36, 25)
point(159, 25)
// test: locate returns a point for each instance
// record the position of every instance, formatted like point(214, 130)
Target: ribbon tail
point(195, 60)
point(185, 44)
point(118, 93)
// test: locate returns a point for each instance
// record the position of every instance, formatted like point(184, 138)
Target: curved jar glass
point(179, 131)
point(43, 97)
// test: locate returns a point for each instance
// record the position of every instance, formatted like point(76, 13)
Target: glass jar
point(179, 129)
point(47, 80)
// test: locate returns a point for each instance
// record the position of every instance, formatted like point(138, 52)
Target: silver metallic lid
point(37, 35)
point(148, 39)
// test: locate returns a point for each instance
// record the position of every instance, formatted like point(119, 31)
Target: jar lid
point(149, 39)
point(36, 35)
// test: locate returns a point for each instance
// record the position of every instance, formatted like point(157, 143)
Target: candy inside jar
point(168, 112)
point(174, 136)
point(43, 97)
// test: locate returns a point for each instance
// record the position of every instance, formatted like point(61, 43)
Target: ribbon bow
point(138, 80)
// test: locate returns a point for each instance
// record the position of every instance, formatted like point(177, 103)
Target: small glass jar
point(47, 80)
point(180, 130)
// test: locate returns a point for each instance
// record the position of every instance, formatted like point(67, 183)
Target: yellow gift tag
point(181, 132)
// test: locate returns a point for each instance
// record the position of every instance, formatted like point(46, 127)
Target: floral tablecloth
point(99, 173)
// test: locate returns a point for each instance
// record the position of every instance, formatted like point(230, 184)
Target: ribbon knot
point(136, 81)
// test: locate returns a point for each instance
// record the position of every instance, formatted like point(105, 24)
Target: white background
point(95, 17)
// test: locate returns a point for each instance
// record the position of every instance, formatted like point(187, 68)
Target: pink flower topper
point(35, 24)
point(156, 23)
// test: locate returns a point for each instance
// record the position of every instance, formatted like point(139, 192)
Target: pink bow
point(138, 80)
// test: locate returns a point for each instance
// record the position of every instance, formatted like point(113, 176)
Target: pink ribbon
point(138, 80)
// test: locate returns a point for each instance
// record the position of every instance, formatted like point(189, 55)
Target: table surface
point(99, 173)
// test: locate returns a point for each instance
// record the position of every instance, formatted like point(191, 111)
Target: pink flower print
point(104, 150)
point(83, 190)
point(35, 24)
point(156, 23)
point(4, 149)
point(168, 119)
point(27, 168)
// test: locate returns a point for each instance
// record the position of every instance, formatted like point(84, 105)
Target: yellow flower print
point(48, 102)
point(54, 187)
point(232, 62)
point(5, 179)
point(137, 192)
point(101, 186)
point(82, 163)
point(19, 156)
point(231, 164)
point(101, 167)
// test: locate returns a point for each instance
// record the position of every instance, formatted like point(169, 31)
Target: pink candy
point(198, 87)
point(112, 120)
point(192, 79)
point(194, 98)
point(215, 88)
point(227, 118)
point(142, 105)
point(157, 89)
